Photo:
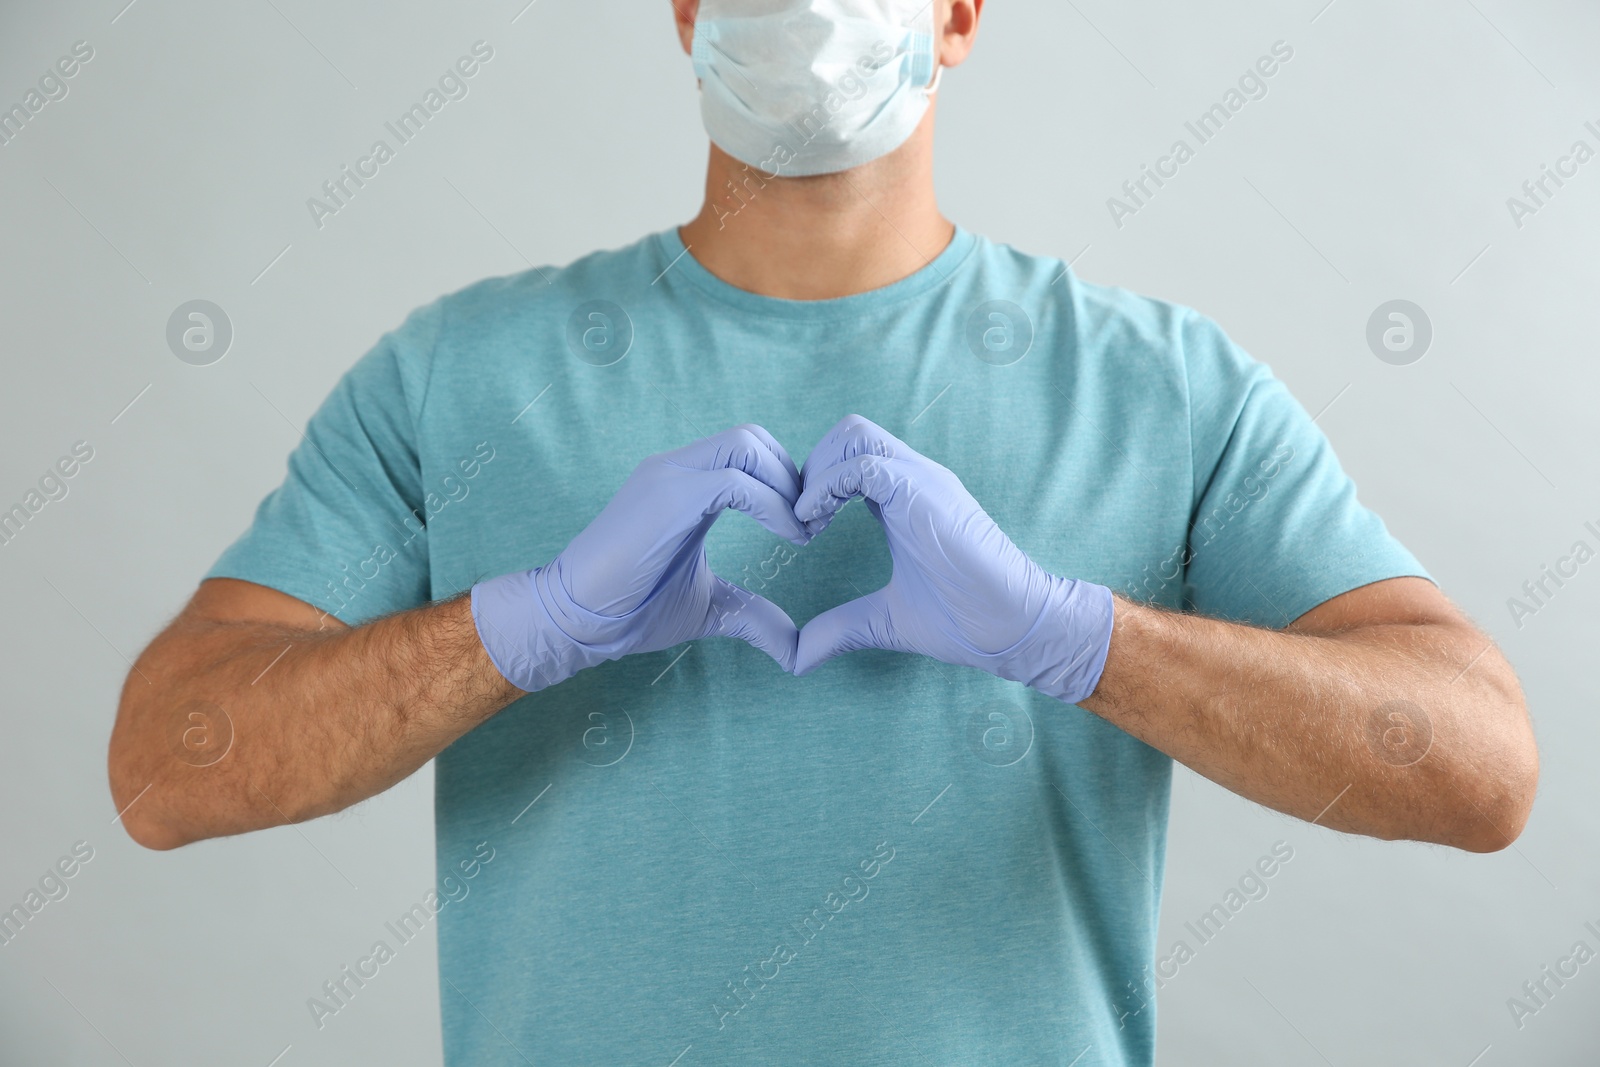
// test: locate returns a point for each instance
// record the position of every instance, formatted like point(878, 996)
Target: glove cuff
point(519, 619)
point(1066, 652)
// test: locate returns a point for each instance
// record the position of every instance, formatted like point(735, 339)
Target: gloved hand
point(636, 578)
point(961, 592)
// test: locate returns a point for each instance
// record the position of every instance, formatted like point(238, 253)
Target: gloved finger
point(862, 623)
point(777, 450)
point(852, 436)
point(737, 612)
point(816, 528)
point(737, 490)
point(741, 449)
point(879, 480)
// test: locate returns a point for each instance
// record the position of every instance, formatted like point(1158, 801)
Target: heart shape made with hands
point(961, 591)
point(636, 578)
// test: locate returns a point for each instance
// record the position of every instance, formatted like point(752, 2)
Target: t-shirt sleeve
point(1276, 527)
point(345, 531)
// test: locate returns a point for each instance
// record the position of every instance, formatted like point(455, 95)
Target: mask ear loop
point(938, 76)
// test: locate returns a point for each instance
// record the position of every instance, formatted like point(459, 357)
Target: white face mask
point(801, 87)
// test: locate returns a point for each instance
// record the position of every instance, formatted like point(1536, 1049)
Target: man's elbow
point(153, 834)
point(1498, 796)
point(141, 819)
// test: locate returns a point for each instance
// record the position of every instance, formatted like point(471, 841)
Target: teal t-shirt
point(696, 858)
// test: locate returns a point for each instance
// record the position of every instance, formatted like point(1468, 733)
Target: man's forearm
point(1380, 730)
point(226, 727)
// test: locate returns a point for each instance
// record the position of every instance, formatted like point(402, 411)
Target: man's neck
point(823, 237)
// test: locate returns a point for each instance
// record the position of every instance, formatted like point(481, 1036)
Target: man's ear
point(958, 31)
point(684, 13)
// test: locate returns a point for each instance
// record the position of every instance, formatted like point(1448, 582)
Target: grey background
point(1377, 168)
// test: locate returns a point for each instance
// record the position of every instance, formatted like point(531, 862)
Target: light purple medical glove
point(636, 578)
point(961, 592)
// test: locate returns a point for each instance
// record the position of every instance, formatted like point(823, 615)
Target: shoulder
point(1170, 354)
point(508, 318)
point(492, 305)
point(1105, 318)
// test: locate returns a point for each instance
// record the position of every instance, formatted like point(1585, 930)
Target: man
point(932, 831)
